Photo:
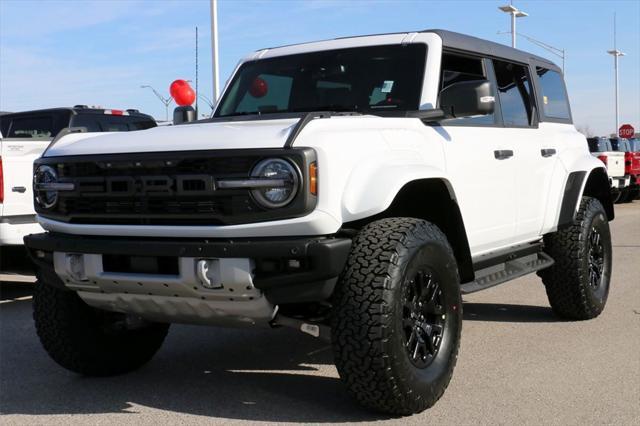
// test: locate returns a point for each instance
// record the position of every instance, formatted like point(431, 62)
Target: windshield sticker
point(546, 100)
point(387, 86)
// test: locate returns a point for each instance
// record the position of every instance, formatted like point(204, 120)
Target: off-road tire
point(569, 290)
point(367, 330)
point(85, 340)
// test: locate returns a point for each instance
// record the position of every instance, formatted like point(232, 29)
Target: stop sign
point(626, 131)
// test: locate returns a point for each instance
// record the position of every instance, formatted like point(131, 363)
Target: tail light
point(115, 112)
point(1, 183)
point(603, 158)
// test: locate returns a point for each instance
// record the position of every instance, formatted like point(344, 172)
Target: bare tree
point(585, 130)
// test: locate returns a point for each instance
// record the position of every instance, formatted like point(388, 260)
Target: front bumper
point(260, 272)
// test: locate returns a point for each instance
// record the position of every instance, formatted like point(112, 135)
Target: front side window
point(363, 79)
point(555, 103)
point(514, 91)
point(458, 68)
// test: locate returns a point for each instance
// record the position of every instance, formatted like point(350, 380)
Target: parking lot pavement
point(518, 364)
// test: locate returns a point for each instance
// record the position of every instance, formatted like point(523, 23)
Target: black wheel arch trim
point(596, 186)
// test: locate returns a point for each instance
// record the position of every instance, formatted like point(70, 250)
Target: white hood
point(188, 137)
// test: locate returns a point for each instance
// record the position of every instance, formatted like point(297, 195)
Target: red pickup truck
point(631, 149)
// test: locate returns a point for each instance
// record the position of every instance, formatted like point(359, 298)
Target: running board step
point(507, 271)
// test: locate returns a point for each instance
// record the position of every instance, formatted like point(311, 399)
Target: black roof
point(465, 42)
point(459, 41)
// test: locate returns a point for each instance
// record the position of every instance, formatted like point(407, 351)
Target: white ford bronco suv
point(353, 189)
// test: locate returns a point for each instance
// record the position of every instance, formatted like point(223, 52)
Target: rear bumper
point(288, 270)
point(14, 228)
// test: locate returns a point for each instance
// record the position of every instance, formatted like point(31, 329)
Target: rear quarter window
point(555, 103)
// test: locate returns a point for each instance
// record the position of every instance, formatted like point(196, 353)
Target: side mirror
point(467, 98)
point(184, 114)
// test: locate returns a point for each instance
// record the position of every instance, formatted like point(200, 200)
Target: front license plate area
point(156, 265)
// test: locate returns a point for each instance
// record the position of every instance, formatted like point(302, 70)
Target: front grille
point(165, 188)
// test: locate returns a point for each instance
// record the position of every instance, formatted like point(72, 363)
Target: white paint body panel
point(17, 165)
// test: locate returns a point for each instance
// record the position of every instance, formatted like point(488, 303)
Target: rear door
point(533, 170)
point(26, 139)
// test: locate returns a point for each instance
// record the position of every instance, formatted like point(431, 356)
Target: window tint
point(554, 95)
point(378, 78)
point(95, 122)
point(141, 124)
point(514, 91)
point(456, 68)
point(275, 99)
point(32, 127)
point(599, 145)
point(4, 125)
point(620, 145)
point(87, 121)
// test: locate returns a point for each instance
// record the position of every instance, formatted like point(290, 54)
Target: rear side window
point(514, 91)
point(458, 68)
point(555, 103)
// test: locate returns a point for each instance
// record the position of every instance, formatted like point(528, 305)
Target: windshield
point(363, 79)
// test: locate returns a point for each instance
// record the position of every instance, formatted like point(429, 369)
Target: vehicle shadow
point(12, 290)
point(269, 375)
point(500, 312)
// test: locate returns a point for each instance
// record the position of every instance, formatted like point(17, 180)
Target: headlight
point(286, 182)
point(45, 176)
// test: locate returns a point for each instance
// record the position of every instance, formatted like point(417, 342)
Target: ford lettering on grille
point(127, 186)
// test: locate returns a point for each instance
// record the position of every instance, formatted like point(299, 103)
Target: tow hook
point(319, 331)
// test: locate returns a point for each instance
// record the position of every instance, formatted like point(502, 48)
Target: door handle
point(503, 154)
point(20, 189)
point(547, 152)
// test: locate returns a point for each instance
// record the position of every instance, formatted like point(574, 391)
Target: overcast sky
point(61, 53)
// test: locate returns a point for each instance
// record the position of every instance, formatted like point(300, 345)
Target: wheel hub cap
point(596, 258)
point(423, 318)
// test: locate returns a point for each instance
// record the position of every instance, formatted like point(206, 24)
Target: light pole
point(515, 13)
point(616, 54)
point(214, 48)
point(165, 101)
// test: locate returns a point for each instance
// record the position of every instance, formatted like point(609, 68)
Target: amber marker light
point(313, 178)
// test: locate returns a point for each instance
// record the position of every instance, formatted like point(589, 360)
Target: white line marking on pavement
point(17, 299)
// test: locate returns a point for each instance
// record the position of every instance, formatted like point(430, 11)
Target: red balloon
point(185, 96)
point(259, 88)
point(176, 86)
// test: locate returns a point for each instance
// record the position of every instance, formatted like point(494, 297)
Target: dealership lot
point(518, 364)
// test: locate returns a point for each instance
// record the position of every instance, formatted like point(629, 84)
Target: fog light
point(75, 267)
point(208, 272)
